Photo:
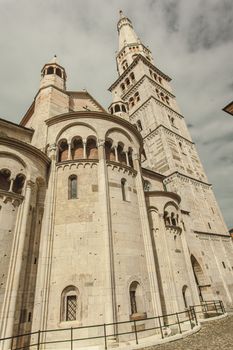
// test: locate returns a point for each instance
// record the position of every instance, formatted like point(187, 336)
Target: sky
point(191, 41)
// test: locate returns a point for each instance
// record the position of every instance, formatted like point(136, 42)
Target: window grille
point(71, 307)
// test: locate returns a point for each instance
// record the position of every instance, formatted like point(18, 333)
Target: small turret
point(119, 108)
point(53, 74)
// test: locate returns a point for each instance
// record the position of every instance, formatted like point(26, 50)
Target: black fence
point(104, 334)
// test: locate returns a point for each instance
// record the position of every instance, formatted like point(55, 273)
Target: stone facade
point(106, 217)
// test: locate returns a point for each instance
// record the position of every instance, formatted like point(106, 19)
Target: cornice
point(159, 102)
point(172, 195)
point(133, 64)
point(178, 174)
point(97, 115)
point(16, 144)
point(170, 131)
point(16, 126)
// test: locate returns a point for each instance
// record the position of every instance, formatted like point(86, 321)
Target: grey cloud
point(192, 41)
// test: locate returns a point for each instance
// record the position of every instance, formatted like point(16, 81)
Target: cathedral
point(106, 215)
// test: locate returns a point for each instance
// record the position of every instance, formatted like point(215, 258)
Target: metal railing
point(104, 334)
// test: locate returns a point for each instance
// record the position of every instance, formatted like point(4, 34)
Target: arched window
point(151, 73)
point(5, 179)
point(127, 81)
point(58, 72)
point(72, 187)
point(121, 155)
point(155, 76)
point(131, 102)
point(132, 76)
point(136, 96)
point(109, 151)
point(50, 70)
point(77, 149)
point(130, 156)
point(136, 298)
point(122, 87)
point(166, 219)
point(160, 80)
point(111, 110)
point(173, 219)
point(63, 151)
point(69, 304)
point(18, 183)
point(92, 150)
point(117, 108)
point(124, 65)
point(123, 189)
point(139, 125)
point(123, 108)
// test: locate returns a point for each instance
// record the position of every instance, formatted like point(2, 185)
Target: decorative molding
point(78, 163)
point(121, 167)
point(15, 198)
point(185, 178)
point(22, 146)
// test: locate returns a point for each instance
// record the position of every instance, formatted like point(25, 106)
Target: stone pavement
point(213, 335)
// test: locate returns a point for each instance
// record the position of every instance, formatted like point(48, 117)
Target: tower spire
point(129, 44)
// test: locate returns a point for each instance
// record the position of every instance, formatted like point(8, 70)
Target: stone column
point(15, 270)
point(127, 158)
point(153, 280)
point(116, 153)
point(84, 149)
point(171, 299)
point(69, 151)
point(40, 313)
point(110, 301)
point(11, 185)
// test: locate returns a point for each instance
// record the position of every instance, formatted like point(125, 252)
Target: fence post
point(215, 306)
point(190, 320)
point(195, 316)
point(178, 320)
point(135, 331)
point(222, 306)
point(38, 341)
point(105, 337)
point(71, 338)
point(160, 326)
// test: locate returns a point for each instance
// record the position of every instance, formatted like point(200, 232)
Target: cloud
point(192, 41)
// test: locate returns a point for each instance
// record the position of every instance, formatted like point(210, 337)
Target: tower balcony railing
point(104, 336)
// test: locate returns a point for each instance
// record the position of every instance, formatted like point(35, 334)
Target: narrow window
point(223, 264)
point(58, 72)
point(71, 307)
point(117, 108)
point(72, 187)
point(209, 225)
point(132, 76)
point(50, 70)
point(123, 108)
point(133, 301)
point(139, 125)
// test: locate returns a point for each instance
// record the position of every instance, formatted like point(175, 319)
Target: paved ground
point(214, 335)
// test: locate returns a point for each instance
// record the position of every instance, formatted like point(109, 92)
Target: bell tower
point(168, 147)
